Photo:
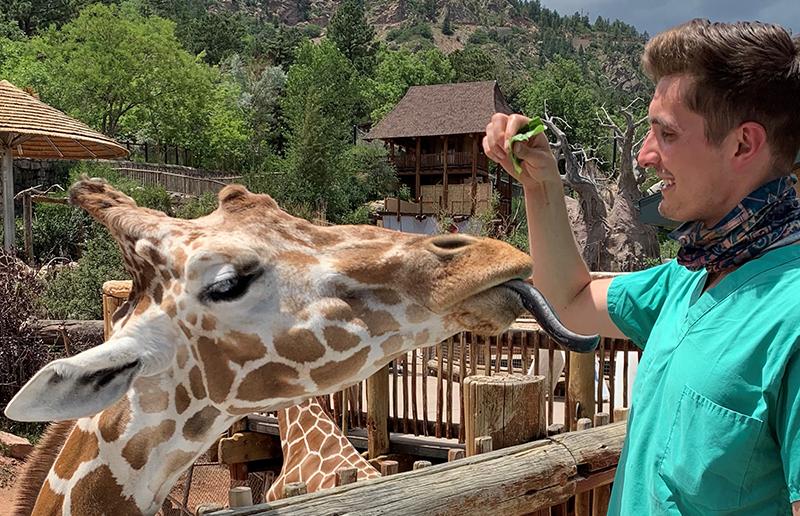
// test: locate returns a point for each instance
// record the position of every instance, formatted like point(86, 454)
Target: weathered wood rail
point(512, 481)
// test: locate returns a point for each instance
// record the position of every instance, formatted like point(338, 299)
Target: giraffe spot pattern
point(392, 345)
point(80, 447)
point(416, 314)
point(99, 493)
point(196, 383)
point(182, 399)
point(219, 377)
point(340, 339)
point(196, 426)
point(299, 345)
point(272, 380)
point(48, 501)
point(333, 373)
point(138, 449)
point(114, 420)
point(151, 398)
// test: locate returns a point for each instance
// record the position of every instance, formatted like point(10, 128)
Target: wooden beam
point(248, 446)
point(417, 181)
point(512, 481)
point(27, 226)
point(474, 172)
point(378, 412)
point(7, 168)
point(581, 388)
point(444, 176)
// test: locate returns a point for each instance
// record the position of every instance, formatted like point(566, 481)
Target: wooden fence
point(567, 474)
point(173, 178)
point(426, 385)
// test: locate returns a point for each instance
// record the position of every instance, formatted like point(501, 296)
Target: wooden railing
point(176, 179)
point(406, 161)
point(522, 479)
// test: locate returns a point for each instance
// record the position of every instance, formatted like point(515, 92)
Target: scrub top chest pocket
point(707, 454)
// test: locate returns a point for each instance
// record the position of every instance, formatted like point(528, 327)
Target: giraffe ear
point(79, 386)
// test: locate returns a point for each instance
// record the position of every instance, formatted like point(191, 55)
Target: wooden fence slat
point(414, 412)
point(405, 393)
point(439, 389)
point(449, 427)
point(462, 371)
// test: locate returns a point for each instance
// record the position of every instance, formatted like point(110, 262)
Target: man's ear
point(751, 138)
point(79, 386)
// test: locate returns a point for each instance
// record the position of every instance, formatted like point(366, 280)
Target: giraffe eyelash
point(230, 288)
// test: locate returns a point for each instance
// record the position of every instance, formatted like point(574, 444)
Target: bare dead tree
point(608, 227)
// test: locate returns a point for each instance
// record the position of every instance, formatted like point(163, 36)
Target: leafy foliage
point(353, 35)
point(397, 70)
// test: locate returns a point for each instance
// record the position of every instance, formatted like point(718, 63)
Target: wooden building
point(434, 138)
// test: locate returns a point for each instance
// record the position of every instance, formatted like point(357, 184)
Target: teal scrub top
point(715, 415)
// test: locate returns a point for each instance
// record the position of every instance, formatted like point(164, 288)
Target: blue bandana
point(768, 217)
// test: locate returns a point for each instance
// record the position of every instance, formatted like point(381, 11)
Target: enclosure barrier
point(518, 480)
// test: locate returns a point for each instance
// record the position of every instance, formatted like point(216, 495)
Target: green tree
point(562, 89)
point(397, 70)
point(320, 104)
point(34, 15)
point(353, 35)
point(473, 63)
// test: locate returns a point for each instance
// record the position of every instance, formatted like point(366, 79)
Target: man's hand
point(538, 163)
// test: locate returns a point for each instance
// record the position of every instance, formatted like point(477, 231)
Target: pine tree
point(353, 35)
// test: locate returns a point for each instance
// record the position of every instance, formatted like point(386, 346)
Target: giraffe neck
point(126, 459)
point(314, 448)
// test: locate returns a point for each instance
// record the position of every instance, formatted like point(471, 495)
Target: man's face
point(696, 185)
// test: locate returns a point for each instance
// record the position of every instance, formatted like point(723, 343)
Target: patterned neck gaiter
point(769, 215)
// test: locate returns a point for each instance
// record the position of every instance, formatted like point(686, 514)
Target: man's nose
point(648, 156)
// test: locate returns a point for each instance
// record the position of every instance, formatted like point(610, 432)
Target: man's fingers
point(514, 124)
point(494, 141)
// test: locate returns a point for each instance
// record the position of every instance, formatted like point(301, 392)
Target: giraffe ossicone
point(246, 309)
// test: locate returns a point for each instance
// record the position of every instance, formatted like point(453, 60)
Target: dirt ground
point(9, 471)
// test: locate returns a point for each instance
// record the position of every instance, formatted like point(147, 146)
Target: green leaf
point(534, 127)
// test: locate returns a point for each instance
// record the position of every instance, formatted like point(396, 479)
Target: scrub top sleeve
point(787, 424)
point(635, 300)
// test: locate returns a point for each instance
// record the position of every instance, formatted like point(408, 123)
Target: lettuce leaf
point(534, 127)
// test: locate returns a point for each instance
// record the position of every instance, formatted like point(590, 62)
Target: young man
point(715, 421)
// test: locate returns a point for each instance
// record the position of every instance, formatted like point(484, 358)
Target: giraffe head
point(257, 310)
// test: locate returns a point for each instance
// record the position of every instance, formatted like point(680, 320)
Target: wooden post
point(294, 489)
point(621, 414)
point(417, 180)
point(240, 497)
point(444, 178)
point(474, 192)
point(583, 423)
point(555, 429)
point(27, 226)
point(346, 476)
point(483, 444)
point(7, 167)
point(455, 454)
point(389, 467)
point(115, 293)
point(601, 495)
point(508, 407)
point(419, 464)
point(378, 413)
point(581, 388)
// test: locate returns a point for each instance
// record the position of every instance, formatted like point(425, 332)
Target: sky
point(654, 16)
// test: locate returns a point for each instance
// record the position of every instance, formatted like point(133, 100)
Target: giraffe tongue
point(535, 303)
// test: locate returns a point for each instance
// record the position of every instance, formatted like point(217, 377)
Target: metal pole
point(7, 167)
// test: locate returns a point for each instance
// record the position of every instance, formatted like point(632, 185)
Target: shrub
point(197, 206)
point(77, 293)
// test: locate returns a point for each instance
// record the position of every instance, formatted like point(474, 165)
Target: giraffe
point(314, 448)
point(246, 309)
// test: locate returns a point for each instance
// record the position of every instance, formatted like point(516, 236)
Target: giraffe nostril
point(449, 244)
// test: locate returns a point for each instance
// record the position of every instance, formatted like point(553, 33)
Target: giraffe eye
point(230, 287)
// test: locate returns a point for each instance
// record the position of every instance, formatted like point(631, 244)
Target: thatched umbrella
point(30, 128)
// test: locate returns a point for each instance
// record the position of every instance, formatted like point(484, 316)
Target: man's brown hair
point(745, 71)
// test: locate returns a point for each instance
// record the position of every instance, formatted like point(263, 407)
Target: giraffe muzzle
point(535, 303)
